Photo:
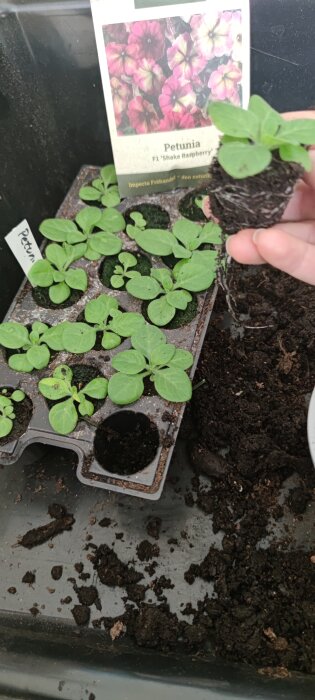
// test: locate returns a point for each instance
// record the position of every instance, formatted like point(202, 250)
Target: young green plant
point(250, 137)
point(104, 189)
point(82, 230)
point(102, 315)
point(169, 290)
point(186, 237)
point(56, 273)
point(73, 403)
point(151, 356)
point(34, 345)
point(7, 414)
point(124, 271)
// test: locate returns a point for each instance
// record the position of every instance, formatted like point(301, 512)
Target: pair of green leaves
point(104, 189)
point(124, 271)
point(101, 315)
point(185, 237)
point(251, 135)
point(82, 231)
point(7, 414)
point(34, 345)
point(55, 271)
point(151, 356)
point(170, 290)
point(64, 415)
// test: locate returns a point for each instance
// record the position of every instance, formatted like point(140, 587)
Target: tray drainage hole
point(126, 442)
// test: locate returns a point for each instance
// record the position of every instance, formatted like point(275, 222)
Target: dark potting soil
point(268, 194)
point(42, 534)
point(111, 570)
point(181, 318)
point(29, 577)
point(188, 208)
point(108, 265)
point(87, 595)
point(56, 572)
point(81, 614)
point(23, 412)
point(146, 550)
point(41, 298)
point(126, 442)
point(153, 527)
point(155, 216)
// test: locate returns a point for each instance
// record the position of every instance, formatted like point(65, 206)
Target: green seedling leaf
point(13, 335)
point(63, 372)
point(86, 407)
point(147, 338)
point(96, 388)
point(194, 277)
point(111, 198)
point(20, 363)
point(173, 384)
point(127, 260)
point(97, 310)
point(56, 255)
point(178, 299)
point(211, 233)
point(108, 175)
point(18, 395)
point(38, 356)
point(117, 281)
point(76, 279)
point(234, 121)
point(160, 312)
point(296, 154)
point(112, 220)
point(53, 336)
point(182, 359)
point(129, 362)
point(138, 219)
point(155, 241)
point(39, 327)
point(186, 231)
point(58, 276)
point(244, 160)
point(162, 354)
point(41, 274)
point(63, 417)
point(6, 425)
point(58, 293)
point(88, 217)
point(78, 337)
point(126, 324)
point(299, 131)
point(110, 340)
point(89, 194)
point(143, 287)
point(124, 389)
point(54, 388)
point(57, 230)
point(74, 252)
point(105, 243)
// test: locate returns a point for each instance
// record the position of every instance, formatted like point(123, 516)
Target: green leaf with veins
point(129, 362)
point(13, 335)
point(41, 274)
point(160, 312)
point(78, 337)
point(96, 388)
point(124, 389)
point(58, 293)
point(20, 363)
point(173, 384)
point(147, 338)
point(63, 417)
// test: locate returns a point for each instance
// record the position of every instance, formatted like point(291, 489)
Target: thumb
point(286, 252)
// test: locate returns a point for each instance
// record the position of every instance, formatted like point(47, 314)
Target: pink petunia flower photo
point(165, 72)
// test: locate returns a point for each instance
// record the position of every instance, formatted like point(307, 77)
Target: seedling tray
point(165, 416)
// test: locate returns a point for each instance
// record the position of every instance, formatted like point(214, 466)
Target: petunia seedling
point(169, 290)
point(104, 189)
point(72, 402)
point(56, 272)
point(185, 237)
point(124, 271)
point(94, 229)
point(252, 136)
point(7, 411)
point(151, 356)
point(33, 345)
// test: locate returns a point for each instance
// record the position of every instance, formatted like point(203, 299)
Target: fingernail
point(227, 245)
point(256, 234)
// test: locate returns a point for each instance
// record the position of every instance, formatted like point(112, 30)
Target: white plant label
point(162, 63)
point(23, 245)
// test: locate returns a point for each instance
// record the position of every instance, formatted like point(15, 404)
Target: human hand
point(290, 245)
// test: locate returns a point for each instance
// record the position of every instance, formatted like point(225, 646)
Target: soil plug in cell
point(260, 159)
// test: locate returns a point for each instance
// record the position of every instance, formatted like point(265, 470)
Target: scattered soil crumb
point(42, 534)
point(29, 577)
point(146, 550)
point(66, 600)
point(34, 611)
point(87, 595)
point(117, 630)
point(111, 570)
point(105, 522)
point(153, 527)
point(150, 569)
point(12, 590)
point(275, 672)
point(135, 593)
point(91, 696)
point(79, 567)
point(56, 572)
point(56, 510)
point(81, 614)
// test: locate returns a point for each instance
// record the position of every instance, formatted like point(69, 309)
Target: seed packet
point(162, 63)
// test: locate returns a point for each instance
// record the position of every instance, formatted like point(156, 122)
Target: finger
point(286, 252)
point(242, 248)
point(304, 114)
